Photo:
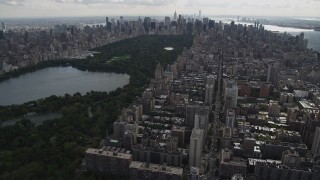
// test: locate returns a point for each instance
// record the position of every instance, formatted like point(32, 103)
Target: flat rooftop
point(308, 105)
point(252, 161)
point(102, 152)
point(156, 168)
point(235, 162)
point(197, 133)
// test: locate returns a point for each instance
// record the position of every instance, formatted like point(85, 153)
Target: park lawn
point(118, 58)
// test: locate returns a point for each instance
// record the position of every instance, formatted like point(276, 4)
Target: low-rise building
point(230, 167)
point(148, 171)
point(158, 155)
point(267, 171)
point(273, 150)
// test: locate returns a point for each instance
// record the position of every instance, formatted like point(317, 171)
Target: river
point(57, 81)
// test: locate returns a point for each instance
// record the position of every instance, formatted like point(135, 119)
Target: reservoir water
point(57, 81)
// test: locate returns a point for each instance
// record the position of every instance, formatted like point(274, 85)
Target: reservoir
point(57, 81)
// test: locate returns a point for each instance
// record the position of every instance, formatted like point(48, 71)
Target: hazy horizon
point(315, 18)
point(87, 8)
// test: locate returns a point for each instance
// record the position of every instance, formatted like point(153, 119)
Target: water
point(57, 81)
point(308, 19)
point(37, 120)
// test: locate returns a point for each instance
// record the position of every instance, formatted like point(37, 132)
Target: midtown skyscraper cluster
point(20, 47)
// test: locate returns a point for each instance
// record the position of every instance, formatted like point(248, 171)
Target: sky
point(57, 8)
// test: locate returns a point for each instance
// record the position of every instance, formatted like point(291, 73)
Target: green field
point(118, 58)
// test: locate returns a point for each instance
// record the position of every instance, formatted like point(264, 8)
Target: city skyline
point(67, 8)
point(185, 97)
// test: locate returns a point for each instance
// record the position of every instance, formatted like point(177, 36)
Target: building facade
point(108, 162)
point(195, 152)
point(148, 171)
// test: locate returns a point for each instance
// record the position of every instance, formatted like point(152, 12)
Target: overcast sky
point(31, 8)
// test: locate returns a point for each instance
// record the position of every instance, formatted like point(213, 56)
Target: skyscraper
point(175, 16)
point(153, 25)
point(191, 111)
point(2, 30)
point(147, 23)
point(230, 94)
point(196, 143)
point(167, 21)
point(202, 122)
point(309, 129)
point(158, 72)
point(271, 72)
point(209, 89)
point(108, 24)
point(316, 142)
point(3, 27)
point(230, 118)
point(211, 24)
point(1, 35)
point(205, 21)
point(199, 14)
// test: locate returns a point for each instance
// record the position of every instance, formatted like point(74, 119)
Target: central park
point(56, 148)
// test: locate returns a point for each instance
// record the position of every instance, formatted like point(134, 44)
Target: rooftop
point(295, 145)
point(156, 167)
point(235, 162)
point(103, 152)
point(197, 133)
point(253, 161)
point(307, 105)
